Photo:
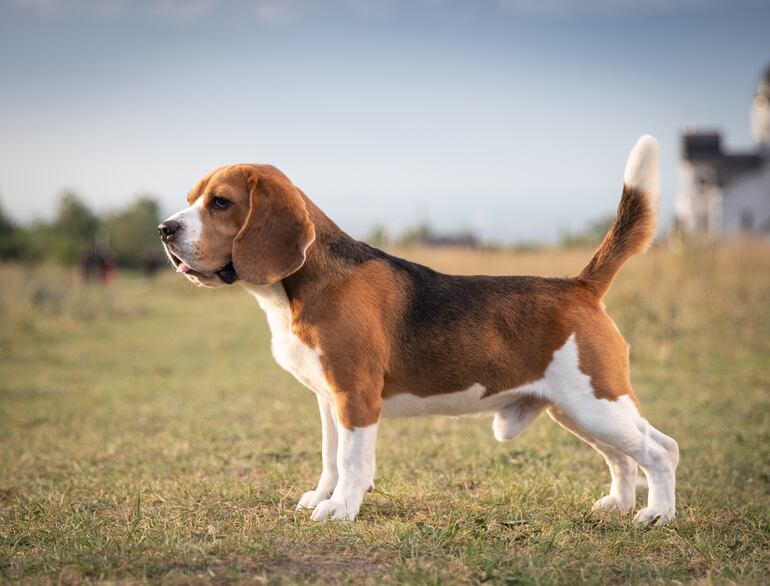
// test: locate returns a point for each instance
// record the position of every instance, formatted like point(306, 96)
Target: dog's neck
point(329, 259)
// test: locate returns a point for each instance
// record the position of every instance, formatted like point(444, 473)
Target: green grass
point(146, 435)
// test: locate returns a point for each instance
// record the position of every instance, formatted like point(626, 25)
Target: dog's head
point(244, 221)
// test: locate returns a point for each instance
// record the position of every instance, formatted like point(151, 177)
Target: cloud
point(615, 6)
point(180, 11)
point(287, 11)
point(54, 8)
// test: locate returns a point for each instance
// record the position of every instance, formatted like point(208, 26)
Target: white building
point(724, 195)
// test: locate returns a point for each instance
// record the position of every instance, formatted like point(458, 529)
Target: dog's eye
point(219, 203)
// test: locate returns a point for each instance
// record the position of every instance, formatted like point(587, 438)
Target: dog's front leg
point(355, 463)
point(329, 475)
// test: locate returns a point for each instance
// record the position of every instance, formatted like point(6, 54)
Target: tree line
point(129, 236)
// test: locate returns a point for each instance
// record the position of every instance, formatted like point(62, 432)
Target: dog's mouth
point(226, 274)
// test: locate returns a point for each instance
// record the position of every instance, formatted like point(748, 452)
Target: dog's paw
point(331, 510)
point(656, 516)
point(311, 498)
point(612, 503)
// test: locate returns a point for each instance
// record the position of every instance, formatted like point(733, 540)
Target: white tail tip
point(642, 166)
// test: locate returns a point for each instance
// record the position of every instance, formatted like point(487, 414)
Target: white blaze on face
point(186, 241)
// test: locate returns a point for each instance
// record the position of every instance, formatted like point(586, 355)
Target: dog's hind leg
point(616, 422)
point(512, 419)
point(618, 425)
point(623, 469)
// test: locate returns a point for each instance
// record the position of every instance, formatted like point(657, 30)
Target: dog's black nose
point(168, 229)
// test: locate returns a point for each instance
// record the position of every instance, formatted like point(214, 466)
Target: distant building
point(723, 195)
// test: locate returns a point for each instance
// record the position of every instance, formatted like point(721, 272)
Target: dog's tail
point(634, 226)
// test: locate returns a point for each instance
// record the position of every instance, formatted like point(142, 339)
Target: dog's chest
point(289, 351)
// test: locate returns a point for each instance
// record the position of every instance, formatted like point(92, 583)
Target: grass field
point(147, 435)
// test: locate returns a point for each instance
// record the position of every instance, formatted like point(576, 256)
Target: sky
point(512, 118)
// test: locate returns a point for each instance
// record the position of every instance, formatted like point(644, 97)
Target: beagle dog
point(377, 336)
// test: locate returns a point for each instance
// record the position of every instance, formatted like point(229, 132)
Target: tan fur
point(278, 226)
point(220, 228)
point(603, 352)
point(630, 233)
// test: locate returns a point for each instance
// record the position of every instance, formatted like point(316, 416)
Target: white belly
point(471, 401)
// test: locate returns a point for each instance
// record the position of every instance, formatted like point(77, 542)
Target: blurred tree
point(128, 237)
point(378, 236)
point(414, 236)
point(72, 232)
point(11, 238)
point(134, 232)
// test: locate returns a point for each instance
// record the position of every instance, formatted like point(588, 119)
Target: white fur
point(623, 469)
point(329, 475)
point(189, 235)
point(291, 353)
point(468, 402)
point(617, 430)
point(642, 168)
point(356, 465)
point(514, 418)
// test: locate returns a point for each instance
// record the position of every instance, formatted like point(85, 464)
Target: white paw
point(657, 516)
point(611, 503)
point(311, 498)
point(330, 510)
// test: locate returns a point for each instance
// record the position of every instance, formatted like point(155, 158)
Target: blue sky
point(510, 117)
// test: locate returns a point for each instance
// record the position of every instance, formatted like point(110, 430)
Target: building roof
point(701, 146)
point(706, 148)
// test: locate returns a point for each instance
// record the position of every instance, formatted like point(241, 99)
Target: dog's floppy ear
point(274, 238)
